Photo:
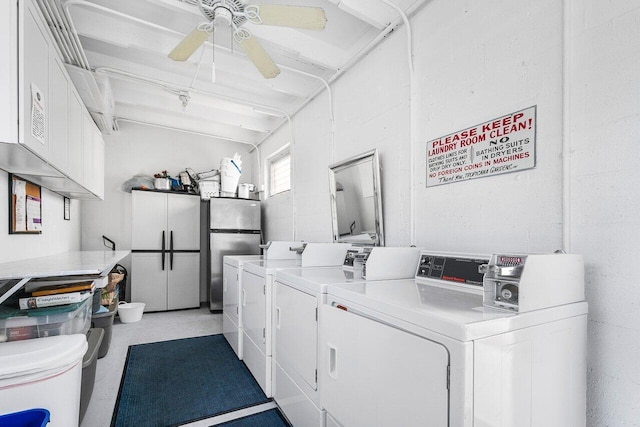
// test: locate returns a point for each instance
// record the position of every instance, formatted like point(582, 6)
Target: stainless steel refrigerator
point(232, 228)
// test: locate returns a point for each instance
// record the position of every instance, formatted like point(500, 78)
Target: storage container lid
point(33, 356)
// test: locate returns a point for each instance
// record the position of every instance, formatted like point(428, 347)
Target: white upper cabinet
point(76, 117)
point(34, 56)
point(58, 114)
point(46, 134)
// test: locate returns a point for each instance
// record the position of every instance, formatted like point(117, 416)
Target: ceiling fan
point(235, 13)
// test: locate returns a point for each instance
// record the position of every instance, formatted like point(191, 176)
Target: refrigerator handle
point(171, 250)
point(163, 250)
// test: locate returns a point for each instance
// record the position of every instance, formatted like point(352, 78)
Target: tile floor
point(153, 327)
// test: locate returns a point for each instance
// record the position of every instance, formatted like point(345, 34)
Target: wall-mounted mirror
point(356, 200)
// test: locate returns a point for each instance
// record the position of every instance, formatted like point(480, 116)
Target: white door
point(254, 309)
point(58, 113)
point(183, 285)
point(35, 77)
point(149, 280)
point(230, 292)
point(183, 221)
point(75, 137)
point(296, 332)
point(149, 222)
point(377, 375)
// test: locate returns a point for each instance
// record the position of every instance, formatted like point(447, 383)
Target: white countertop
point(64, 264)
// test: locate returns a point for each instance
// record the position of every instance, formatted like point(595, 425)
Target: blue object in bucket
point(28, 418)
point(234, 164)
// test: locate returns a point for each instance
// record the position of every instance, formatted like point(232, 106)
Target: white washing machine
point(256, 301)
point(232, 288)
point(298, 295)
point(431, 351)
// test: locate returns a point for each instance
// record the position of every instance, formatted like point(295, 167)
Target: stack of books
point(60, 294)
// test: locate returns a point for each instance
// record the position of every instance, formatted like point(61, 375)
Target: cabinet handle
point(171, 250)
point(224, 284)
point(163, 249)
point(278, 316)
point(333, 362)
point(244, 297)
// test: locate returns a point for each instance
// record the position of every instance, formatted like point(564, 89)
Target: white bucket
point(130, 312)
point(229, 182)
point(43, 373)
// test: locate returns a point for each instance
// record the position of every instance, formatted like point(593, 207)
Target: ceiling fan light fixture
point(304, 17)
point(256, 53)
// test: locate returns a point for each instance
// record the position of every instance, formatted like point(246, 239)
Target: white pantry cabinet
point(165, 258)
point(46, 134)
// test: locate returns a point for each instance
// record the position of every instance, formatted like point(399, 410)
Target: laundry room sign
point(502, 145)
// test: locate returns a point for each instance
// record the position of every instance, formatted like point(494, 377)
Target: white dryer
point(231, 317)
point(297, 296)
point(429, 352)
point(232, 288)
point(256, 302)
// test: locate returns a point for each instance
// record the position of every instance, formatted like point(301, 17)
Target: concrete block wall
point(138, 149)
point(604, 127)
point(577, 61)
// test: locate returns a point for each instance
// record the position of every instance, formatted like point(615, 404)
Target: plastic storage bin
point(43, 373)
point(16, 324)
point(89, 362)
point(28, 418)
point(105, 322)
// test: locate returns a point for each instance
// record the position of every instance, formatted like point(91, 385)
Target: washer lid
point(41, 354)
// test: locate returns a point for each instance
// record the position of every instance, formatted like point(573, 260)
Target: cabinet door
point(149, 280)
point(254, 309)
point(35, 79)
point(184, 221)
point(58, 113)
point(377, 375)
point(296, 332)
point(149, 222)
point(230, 292)
point(8, 71)
point(183, 285)
point(87, 150)
point(97, 164)
point(75, 167)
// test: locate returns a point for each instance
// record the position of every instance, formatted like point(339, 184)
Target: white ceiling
point(127, 41)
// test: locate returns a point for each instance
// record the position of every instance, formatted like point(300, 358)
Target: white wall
point(604, 127)
point(138, 149)
point(57, 235)
point(475, 61)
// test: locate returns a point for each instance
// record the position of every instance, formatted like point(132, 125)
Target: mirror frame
point(372, 156)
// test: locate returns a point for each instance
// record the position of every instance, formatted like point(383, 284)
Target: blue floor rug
point(271, 418)
point(173, 382)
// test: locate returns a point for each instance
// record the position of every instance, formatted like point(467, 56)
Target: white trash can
point(43, 373)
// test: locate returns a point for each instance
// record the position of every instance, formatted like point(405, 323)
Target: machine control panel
point(350, 258)
point(523, 283)
point(453, 269)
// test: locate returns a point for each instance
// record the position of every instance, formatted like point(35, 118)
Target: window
point(279, 167)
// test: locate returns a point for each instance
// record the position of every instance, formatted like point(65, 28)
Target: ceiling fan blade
point(189, 45)
point(308, 18)
point(260, 58)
